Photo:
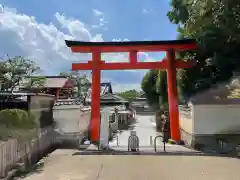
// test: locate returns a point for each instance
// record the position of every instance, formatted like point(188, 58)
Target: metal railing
point(155, 143)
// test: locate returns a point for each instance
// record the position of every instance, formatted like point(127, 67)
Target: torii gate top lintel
point(127, 46)
point(169, 63)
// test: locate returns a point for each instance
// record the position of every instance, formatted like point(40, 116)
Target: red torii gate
point(169, 63)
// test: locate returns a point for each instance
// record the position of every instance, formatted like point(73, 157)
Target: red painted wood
point(119, 66)
point(132, 65)
point(142, 48)
point(95, 106)
point(173, 96)
point(170, 63)
point(133, 57)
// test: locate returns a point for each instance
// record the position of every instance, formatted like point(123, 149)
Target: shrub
point(17, 123)
point(17, 118)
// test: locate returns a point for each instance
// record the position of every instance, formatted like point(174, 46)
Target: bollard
point(117, 141)
point(238, 151)
point(133, 142)
point(151, 143)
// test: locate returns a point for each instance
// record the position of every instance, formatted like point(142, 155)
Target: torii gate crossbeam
point(169, 63)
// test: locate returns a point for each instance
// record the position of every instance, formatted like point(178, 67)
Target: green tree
point(215, 25)
point(129, 95)
point(3, 71)
point(148, 86)
point(13, 70)
point(162, 89)
point(15, 123)
point(35, 81)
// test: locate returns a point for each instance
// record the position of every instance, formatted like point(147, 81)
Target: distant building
point(60, 86)
point(140, 103)
point(106, 96)
point(112, 99)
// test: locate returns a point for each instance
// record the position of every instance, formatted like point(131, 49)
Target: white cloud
point(23, 35)
point(101, 22)
point(76, 28)
point(45, 43)
point(97, 12)
point(146, 10)
point(119, 40)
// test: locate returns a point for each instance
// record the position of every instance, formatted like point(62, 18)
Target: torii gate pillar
point(173, 95)
point(169, 63)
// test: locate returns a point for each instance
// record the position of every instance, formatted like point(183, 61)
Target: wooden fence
point(14, 152)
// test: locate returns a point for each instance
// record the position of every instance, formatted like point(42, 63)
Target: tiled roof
point(112, 97)
point(57, 83)
point(54, 81)
point(141, 95)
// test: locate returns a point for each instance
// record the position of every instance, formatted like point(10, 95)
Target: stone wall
point(218, 143)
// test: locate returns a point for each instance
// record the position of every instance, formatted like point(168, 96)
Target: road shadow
point(150, 153)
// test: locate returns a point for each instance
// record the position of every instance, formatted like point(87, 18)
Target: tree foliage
point(14, 70)
point(148, 85)
point(17, 123)
point(215, 24)
point(35, 81)
point(17, 118)
point(161, 87)
point(129, 95)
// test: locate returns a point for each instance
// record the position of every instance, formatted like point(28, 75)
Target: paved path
point(73, 165)
point(63, 165)
point(145, 128)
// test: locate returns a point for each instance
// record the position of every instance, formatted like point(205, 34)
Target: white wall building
point(212, 117)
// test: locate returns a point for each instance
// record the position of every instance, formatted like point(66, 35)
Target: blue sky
point(102, 20)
